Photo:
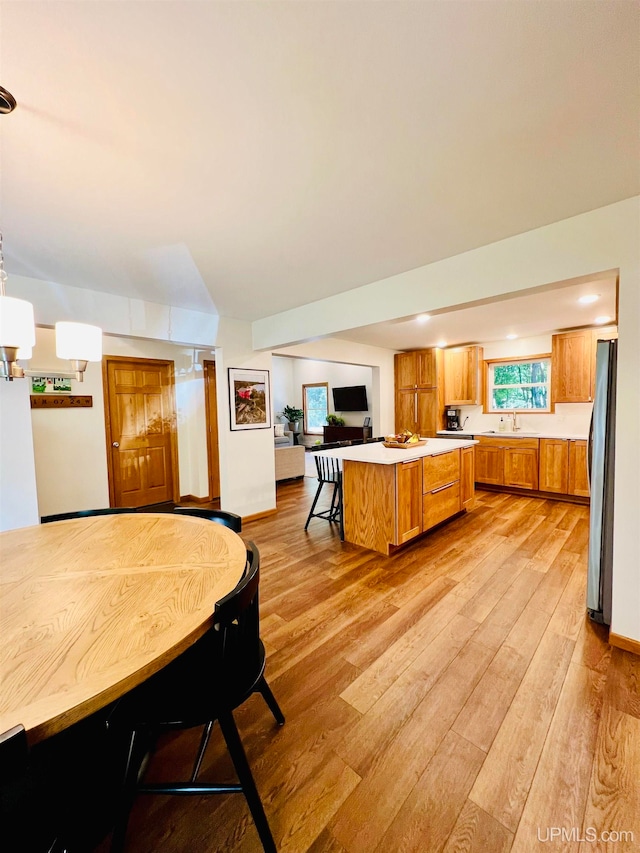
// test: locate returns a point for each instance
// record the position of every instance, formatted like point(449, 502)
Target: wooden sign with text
point(60, 401)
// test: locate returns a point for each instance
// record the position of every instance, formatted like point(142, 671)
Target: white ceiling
point(250, 157)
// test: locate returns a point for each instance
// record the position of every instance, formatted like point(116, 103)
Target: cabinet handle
point(415, 408)
point(442, 488)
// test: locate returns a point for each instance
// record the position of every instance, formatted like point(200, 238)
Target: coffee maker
point(453, 419)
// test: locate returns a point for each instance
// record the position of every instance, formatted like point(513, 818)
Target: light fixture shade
point(17, 327)
point(78, 341)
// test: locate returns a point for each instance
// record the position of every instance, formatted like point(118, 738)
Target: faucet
point(515, 426)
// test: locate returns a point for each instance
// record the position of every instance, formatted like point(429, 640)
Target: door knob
point(116, 444)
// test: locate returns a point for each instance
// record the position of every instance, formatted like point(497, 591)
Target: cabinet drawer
point(440, 505)
point(440, 470)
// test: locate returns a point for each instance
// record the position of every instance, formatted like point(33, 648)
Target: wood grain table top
point(91, 607)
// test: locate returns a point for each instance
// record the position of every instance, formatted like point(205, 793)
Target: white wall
point(18, 496)
point(380, 393)
point(247, 462)
point(595, 242)
point(69, 444)
point(301, 372)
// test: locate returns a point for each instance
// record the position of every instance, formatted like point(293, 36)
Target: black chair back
point(84, 513)
point(220, 516)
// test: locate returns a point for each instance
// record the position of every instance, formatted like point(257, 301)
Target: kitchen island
point(391, 495)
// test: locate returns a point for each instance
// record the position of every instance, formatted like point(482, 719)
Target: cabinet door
point(571, 366)
point(462, 385)
point(408, 500)
point(578, 477)
point(428, 422)
point(489, 464)
point(553, 467)
point(426, 367)
point(467, 478)
point(405, 370)
point(521, 467)
point(406, 410)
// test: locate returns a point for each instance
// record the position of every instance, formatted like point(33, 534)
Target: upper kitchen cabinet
point(417, 369)
point(463, 376)
point(573, 362)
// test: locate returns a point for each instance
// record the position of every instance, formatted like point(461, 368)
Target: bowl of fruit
point(404, 440)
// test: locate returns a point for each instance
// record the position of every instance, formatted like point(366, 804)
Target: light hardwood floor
point(451, 698)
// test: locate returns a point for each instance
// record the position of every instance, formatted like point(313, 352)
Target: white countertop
point(524, 434)
point(378, 454)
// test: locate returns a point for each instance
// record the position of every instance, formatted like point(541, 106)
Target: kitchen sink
point(517, 434)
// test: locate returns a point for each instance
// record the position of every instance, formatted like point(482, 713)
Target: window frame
point(488, 384)
point(306, 385)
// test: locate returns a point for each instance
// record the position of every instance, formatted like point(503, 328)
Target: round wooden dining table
point(91, 607)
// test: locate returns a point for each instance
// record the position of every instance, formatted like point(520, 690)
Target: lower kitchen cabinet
point(554, 465)
point(408, 500)
point(507, 462)
point(578, 479)
point(467, 477)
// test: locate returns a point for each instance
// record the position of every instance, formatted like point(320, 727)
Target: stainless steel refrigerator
point(601, 459)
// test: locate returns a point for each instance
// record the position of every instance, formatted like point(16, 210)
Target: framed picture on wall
point(50, 385)
point(249, 399)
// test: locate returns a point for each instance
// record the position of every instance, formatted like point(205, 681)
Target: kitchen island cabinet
point(390, 496)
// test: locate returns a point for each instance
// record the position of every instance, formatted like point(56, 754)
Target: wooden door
point(489, 464)
point(578, 477)
point(406, 405)
point(462, 376)
point(408, 500)
point(211, 415)
point(467, 478)
point(142, 449)
point(553, 467)
point(521, 467)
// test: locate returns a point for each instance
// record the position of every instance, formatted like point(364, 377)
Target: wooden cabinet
point(467, 477)
point(408, 501)
point(578, 478)
point(386, 506)
point(463, 376)
point(441, 487)
point(553, 470)
point(344, 433)
point(573, 361)
point(507, 462)
point(571, 356)
point(489, 464)
point(419, 403)
point(521, 465)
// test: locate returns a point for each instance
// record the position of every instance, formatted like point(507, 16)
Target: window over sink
point(518, 384)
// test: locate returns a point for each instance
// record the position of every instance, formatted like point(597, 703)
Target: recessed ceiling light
point(589, 298)
point(601, 320)
point(422, 318)
point(511, 337)
point(441, 344)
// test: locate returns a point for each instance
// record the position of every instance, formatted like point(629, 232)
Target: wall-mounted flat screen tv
point(352, 398)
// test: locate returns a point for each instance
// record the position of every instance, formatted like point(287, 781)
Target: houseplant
point(335, 420)
point(293, 415)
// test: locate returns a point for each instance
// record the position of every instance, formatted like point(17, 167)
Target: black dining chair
point(329, 472)
point(205, 684)
point(220, 516)
point(85, 513)
point(26, 808)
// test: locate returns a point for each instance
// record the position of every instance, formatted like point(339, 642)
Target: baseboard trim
point(258, 515)
point(624, 643)
point(533, 493)
point(194, 500)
